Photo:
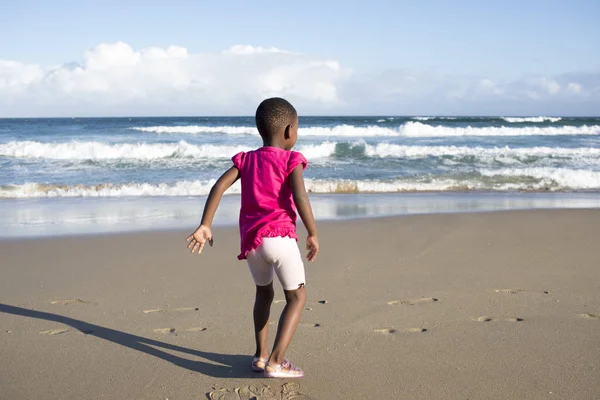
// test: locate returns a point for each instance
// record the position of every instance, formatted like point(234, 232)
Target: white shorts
point(279, 254)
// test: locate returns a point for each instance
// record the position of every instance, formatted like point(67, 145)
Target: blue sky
point(515, 45)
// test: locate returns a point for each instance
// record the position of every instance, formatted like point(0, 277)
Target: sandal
point(284, 370)
point(258, 364)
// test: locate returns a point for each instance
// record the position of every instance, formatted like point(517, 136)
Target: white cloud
point(15, 74)
point(574, 87)
point(550, 85)
point(115, 79)
point(246, 50)
point(488, 86)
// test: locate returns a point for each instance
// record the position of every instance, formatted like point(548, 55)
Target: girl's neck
point(272, 142)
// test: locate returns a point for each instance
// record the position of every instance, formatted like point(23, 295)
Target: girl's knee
point(265, 292)
point(297, 295)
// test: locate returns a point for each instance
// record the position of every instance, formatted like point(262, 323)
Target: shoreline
point(228, 228)
point(77, 216)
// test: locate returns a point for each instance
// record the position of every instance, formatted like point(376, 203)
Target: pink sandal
point(284, 370)
point(258, 364)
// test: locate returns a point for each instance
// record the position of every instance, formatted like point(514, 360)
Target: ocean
point(102, 171)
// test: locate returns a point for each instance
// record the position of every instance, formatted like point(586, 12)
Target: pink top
point(268, 209)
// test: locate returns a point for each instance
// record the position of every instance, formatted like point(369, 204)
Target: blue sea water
point(128, 160)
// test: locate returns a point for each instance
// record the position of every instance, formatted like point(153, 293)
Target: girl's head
point(277, 123)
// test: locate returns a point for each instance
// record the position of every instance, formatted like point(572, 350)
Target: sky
point(125, 58)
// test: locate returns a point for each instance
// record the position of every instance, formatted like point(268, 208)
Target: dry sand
point(463, 306)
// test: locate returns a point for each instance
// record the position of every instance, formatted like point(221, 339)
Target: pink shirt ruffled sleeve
point(238, 160)
point(295, 160)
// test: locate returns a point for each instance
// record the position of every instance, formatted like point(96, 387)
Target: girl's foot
point(258, 364)
point(284, 370)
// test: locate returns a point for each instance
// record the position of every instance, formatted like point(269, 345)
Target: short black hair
point(274, 114)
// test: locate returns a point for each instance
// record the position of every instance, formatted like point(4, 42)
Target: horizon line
point(324, 116)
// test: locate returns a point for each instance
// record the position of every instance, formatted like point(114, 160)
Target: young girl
point(272, 189)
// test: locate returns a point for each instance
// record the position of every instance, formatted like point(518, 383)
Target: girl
point(272, 188)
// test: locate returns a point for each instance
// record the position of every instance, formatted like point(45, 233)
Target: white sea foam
point(430, 118)
point(200, 188)
point(198, 129)
point(323, 150)
point(553, 178)
point(505, 179)
point(183, 188)
point(183, 150)
point(400, 151)
point(339, 130)
point(417, 129)
point(411, 128)
point(546, 180)
point(349, 130)
point(377, 186)
point(77, 150)
point(422, 118)
point(531, 119)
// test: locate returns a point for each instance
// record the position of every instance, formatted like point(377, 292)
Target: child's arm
point(305, 211)
point(203, 233)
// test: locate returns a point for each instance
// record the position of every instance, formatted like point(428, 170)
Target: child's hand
point(199, 238)
point(312, 245)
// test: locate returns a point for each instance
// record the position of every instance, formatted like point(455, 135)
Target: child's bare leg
point(262, 309)
point(288, 323)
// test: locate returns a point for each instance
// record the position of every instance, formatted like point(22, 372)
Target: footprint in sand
point(287, 391)
point(175, 331)
point(495, 319)
point(413, 302)
point(71, 301)
point(515, 291)
point(54, 332)
point(161, 310)
point(308, 301)
point(164, 330)
point(310, 324)
point(394, 331)
point(303, 324)
point(590, 316)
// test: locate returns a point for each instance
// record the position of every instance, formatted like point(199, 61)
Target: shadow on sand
point(226, 365)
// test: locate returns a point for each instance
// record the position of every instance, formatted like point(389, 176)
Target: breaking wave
point(417, 129)
point(101, 151)
point(77, 150)
point(400, 151)
point(505, 179)
point(410, 129)
point(198, 129)
point(148, 152)
point(430, 118)
point(531, 119)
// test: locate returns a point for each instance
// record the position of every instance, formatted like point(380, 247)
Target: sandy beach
point(501, 305)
